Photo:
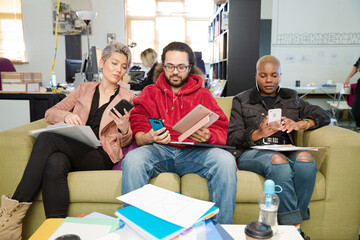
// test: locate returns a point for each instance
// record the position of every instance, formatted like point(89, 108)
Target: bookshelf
point(234, 32)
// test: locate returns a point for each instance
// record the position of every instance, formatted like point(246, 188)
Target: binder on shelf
point(81, 133)
point(199, 117)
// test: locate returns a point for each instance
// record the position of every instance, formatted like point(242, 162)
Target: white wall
point(296, 28)
point(266, 9)
point(40, 41)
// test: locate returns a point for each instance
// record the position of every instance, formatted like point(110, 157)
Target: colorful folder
point(152, 227)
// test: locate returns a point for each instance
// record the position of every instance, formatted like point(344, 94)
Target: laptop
point(197, 144)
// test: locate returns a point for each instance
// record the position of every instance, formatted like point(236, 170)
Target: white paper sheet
point(285, 148)
point(170, 206)
point(82, 230)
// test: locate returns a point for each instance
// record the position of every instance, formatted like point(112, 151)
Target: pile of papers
point(150, 213)
point(156, 213)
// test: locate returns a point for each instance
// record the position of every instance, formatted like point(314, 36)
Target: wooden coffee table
point(46, 229)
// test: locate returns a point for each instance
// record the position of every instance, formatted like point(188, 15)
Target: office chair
point(199, 62)
point(340, 104)
point(6, 66)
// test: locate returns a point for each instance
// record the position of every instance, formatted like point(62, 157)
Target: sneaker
point(304, 235)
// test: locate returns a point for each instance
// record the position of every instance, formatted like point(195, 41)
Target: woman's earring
point(257, 86)
point(278, 89)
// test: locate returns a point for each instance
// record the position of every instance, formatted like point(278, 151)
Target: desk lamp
point(132, 45)
point(87, 16)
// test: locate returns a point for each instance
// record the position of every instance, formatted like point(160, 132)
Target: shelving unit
point(235, 35)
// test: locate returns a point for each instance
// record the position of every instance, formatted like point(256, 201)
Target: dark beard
point(180, 84)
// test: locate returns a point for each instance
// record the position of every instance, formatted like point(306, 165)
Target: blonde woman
point(54, 156)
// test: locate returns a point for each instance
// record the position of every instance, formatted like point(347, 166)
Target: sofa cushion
point(249, 187)
point(225, 103)
point(108, 185)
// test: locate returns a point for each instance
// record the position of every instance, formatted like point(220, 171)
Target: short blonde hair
point(148, 57)
point(268, 59)
point(116, 47)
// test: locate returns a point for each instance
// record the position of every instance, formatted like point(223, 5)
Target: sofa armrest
point(341, 168)
point(15, 148)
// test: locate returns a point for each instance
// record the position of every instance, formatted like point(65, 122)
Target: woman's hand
point(266, 129)
point(122, 122)
point(73, 118)
point(201, 135)
point(347, 83)
point(290, 125)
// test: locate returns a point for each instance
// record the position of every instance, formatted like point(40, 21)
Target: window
point(155, 23)
point(12, 44)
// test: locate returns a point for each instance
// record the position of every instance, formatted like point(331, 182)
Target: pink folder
point(199, 117)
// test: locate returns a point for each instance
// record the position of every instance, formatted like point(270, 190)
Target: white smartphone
point(274, 115)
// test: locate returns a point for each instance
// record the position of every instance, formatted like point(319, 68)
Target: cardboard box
point(36, 77)
point(20, 81)
point(12, 77)
point(13, 87)
point(27, 77)
point(33, 87)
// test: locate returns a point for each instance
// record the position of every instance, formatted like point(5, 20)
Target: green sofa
point(334, 207)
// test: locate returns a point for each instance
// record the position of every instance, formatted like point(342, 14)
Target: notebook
point(197, 118)
point(211, 231)
point(152, 227)
point(86, 228)
point(223, 233)
point(197, 144)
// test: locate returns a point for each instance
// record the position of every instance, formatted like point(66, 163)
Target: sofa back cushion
point(225, 104)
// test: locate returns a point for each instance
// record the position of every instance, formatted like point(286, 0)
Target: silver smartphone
point(274, 115)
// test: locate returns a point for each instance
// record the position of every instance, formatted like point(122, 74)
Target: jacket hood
point(193, 84)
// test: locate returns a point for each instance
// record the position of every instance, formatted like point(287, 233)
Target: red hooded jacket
point(157, 101)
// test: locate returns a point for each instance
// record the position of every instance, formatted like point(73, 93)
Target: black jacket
point(248, 111)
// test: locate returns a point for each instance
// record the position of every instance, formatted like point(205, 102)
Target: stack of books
point(164, 220)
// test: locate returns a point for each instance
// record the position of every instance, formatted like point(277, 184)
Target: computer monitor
point(92, 64)
point(72, 66)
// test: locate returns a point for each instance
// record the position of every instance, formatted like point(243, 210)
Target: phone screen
point(156, 124)
point(274, 115)
point(123, 104)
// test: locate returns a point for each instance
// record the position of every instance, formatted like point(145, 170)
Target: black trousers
point(53, 156)
point(355, 110)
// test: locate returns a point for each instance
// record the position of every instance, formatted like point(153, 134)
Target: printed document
point(81, 133)
point(284, 148)
point(170, 206)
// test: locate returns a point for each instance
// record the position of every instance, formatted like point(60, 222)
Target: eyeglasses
point(180, 68)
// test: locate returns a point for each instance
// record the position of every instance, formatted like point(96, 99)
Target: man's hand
point(202, 135)
point(73, 118)
point(157, 136)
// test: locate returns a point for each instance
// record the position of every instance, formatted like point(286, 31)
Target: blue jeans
point(296, 175)
point(216, 165)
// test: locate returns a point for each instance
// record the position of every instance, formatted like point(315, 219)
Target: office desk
point(21, 108)
point(304, 91)
point(317, 95)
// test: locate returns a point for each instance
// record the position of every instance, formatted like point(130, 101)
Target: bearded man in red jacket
point(176, 92)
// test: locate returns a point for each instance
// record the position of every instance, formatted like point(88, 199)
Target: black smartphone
point(156, 124)
point(123, 104)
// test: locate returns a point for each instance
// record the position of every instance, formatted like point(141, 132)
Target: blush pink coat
point(79, 102)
